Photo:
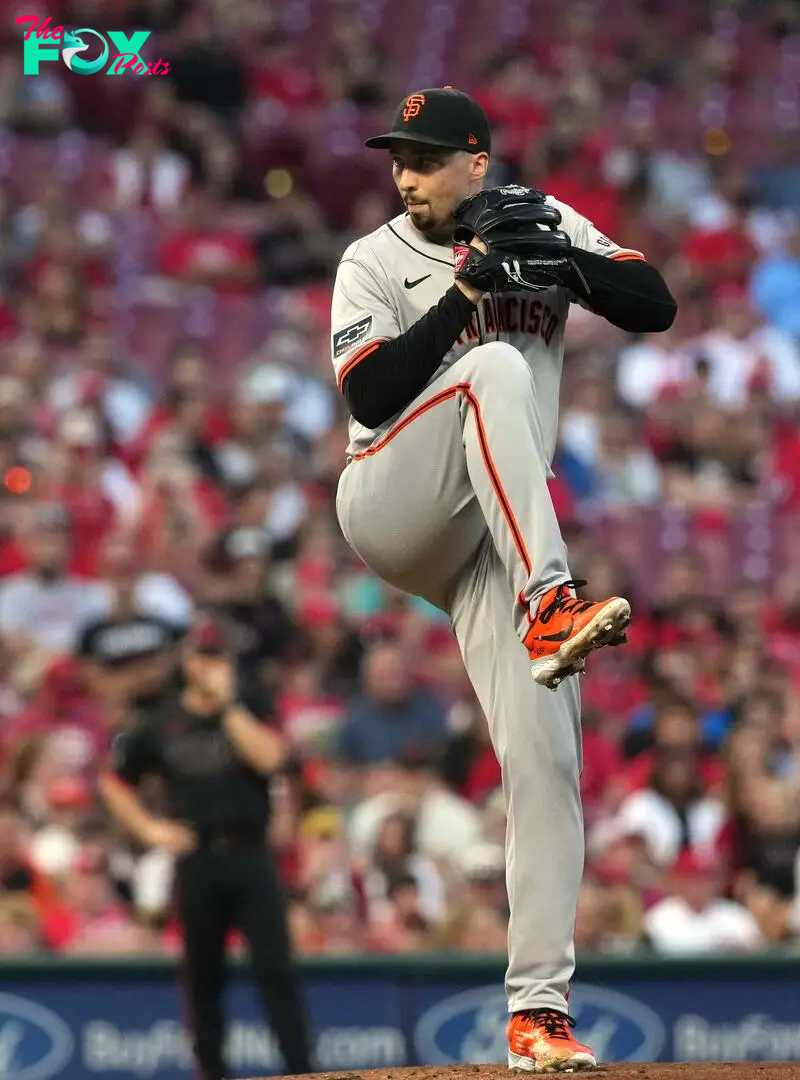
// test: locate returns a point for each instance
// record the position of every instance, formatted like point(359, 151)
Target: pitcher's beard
point(438, 232)
point(442, 233)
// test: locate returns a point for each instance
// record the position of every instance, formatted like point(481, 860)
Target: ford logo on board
point(470, 1027)
point(35, 1044)
point(615, 1025)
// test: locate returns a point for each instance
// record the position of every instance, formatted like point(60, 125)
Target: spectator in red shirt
point(511, 98)
point(601, 782)
point(279, 75)
point(188, 407)
point(63, 706)
point(8, 320)
point(204, 251)
point(61, 246)
point(675, 732)
point(90, 919)
point(308, 715)
point(329, 645)
point(725, 255)
point(782, 620)
point(181, 510)
point(98, 491)
point(13, 557)
point(783, 464)
point(575, 177)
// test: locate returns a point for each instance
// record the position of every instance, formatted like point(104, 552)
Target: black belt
point(227, 838)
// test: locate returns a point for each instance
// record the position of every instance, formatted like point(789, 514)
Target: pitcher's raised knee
point(495, 364)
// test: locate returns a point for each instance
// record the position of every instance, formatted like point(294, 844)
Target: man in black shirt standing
point(213, 757)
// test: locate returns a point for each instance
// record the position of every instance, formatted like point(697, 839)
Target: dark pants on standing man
point(233, 882)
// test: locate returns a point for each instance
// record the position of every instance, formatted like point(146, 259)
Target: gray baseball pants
point(452, 504)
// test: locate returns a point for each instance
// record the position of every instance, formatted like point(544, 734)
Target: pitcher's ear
point(480, 165)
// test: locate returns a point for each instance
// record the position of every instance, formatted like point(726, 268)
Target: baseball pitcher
point(447, 340)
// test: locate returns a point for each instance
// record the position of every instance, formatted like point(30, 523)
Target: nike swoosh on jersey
point(411, 284)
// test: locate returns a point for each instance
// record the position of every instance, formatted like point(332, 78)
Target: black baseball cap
point(440, 116)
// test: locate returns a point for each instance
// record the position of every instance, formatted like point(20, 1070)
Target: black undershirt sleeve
point(386, 380)
point(630, 293)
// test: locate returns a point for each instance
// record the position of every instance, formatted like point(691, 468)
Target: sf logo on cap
point(413, 106)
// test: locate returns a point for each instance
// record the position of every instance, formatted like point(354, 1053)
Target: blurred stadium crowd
point(171, 438)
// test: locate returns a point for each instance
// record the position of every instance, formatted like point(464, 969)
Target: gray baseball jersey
point(449, 500)
point(387, 280)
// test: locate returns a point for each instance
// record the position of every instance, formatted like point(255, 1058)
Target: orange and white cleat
point(541, 1041)
point(565, 630)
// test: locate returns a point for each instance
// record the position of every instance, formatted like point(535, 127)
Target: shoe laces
point(563, 601)
point(555, 1024)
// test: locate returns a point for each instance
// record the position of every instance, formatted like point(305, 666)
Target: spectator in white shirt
point(150, 593)
point(95, 377)
point(673, 810)
point(742, 351)
point(44, 607)
point(394, 855)
point(652, 364)
point(446, 824)
point(146, 173)
point(695, 918)
point(81, 451)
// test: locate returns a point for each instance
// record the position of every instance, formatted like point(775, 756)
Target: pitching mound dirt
point(739, 1070)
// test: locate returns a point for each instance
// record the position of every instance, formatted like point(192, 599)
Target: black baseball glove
point(525, 247)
